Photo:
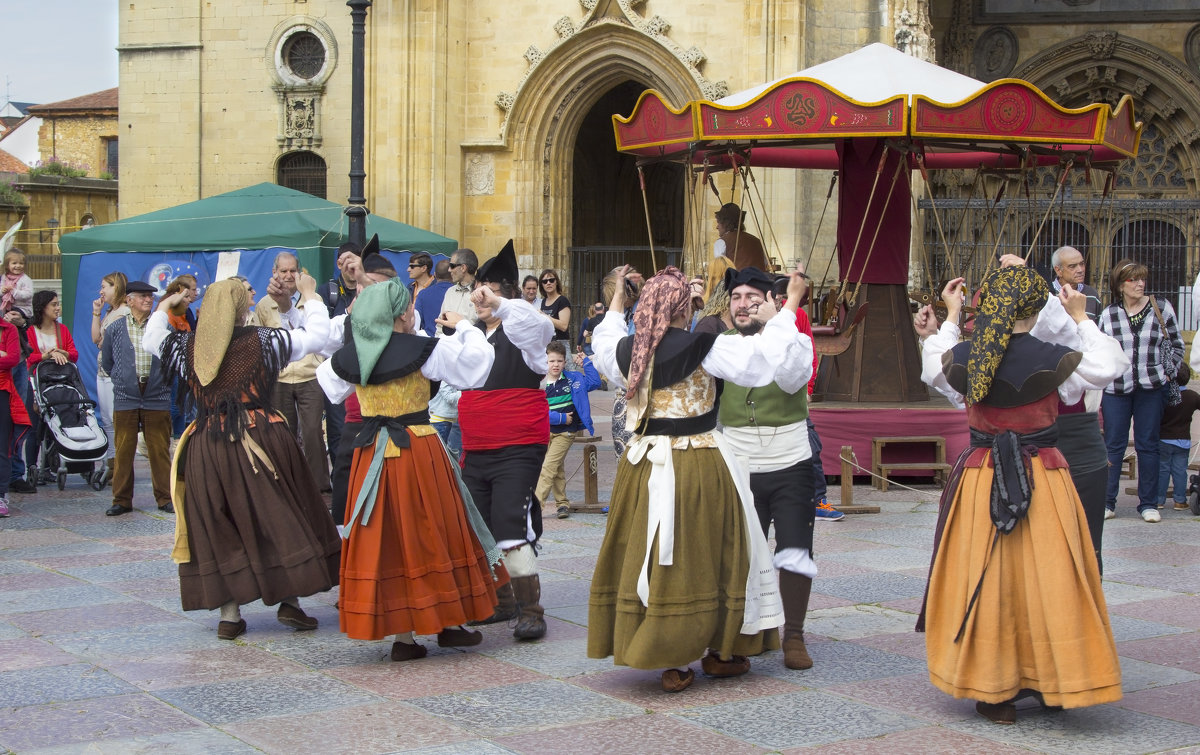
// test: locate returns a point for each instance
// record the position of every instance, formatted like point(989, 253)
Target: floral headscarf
point(1007, 295)
point(665, 297)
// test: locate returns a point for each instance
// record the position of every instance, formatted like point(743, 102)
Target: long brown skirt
point(698, 602)
point(417, 565)
point(253, 534)
point(1040, 621)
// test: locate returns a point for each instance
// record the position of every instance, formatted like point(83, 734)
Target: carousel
point(881, 121)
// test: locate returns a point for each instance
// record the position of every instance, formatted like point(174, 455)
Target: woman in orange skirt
point(417, 557)
point(1014, 606)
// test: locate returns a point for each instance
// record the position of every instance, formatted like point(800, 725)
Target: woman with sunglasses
point(555, 304)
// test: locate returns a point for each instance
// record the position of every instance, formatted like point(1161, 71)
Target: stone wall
point(81, 141)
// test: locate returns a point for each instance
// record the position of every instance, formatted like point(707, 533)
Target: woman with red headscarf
point(661, 600)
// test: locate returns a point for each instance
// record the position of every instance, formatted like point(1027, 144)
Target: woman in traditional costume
point(252, 524)
point(418, 556)
point(684, 570)
point(1014, 606)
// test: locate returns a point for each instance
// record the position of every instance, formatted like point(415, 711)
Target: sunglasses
point(549, 280)
point(411, 265)
point(457, 264)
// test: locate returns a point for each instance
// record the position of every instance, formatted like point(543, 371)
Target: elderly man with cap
point(766, 426)
point(141, 402)
point(505, 430)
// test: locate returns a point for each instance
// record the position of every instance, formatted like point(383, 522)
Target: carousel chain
point(929, 279)
point(901, 164)
point(1062, 179)
point(766, 216)
point(962, 216)
point(937, 217)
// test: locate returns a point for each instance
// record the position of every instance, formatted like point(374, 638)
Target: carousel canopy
point(954, 121)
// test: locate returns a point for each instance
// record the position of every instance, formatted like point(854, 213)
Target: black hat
point(373, 260)
point(500, 269)
point(138, 287)
point(748, 276)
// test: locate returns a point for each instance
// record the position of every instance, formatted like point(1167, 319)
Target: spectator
point(28, 446)
point(297, 396)
point(588, 326)
point(555, 304)
point(570, 411)
point(420, 270)
point(112, 295)
point(1149, 335)
point(1175, 443)
point(249, 291)
point(529, 291)
point(14, 420)
point(53, 340)
point(181, 318)
point(463, 265)
point(339, 292)
point(141, 402)
point(16, 288)
point(429, 301)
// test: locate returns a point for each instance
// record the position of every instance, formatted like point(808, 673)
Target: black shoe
point(116, 510)
point(20, 486)
point(169, 508)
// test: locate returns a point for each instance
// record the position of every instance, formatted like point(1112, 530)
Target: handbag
point(1167, 361)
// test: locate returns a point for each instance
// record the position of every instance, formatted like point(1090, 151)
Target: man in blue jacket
point(141, 401)
point(570, 412)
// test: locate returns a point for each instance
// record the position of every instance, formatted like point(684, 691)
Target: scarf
point(12, 279)
point(665, 297)
point(224, 307)
point(375, 313)
point(1007, 295)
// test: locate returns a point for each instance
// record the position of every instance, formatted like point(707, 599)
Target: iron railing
point(1162, 234)
point(589, 265)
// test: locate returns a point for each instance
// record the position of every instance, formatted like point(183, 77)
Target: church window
point(302, 171)
point(304, 54)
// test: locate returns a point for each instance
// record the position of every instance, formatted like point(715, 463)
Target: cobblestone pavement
point(97, 657)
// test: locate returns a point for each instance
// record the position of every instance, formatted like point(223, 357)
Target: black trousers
point(785, 496)
point(339, 475)
point(501, 482)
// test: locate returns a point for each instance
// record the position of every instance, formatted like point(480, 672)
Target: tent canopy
point(953, 120)
point(256, 217)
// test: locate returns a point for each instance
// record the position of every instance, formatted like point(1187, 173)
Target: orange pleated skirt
point(417, 566)
point(1040, 621)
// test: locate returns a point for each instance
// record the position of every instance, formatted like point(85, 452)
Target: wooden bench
point(881, 469)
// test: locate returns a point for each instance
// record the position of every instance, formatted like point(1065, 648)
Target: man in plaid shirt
point(1149, 335)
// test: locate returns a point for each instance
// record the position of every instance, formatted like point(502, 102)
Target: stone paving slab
point(1100, 730)
point(227, 702)
point(72, 726)
point(202, 741)
point(52, 684)
point(629, 736)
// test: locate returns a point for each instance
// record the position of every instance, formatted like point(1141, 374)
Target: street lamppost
point(357, 211)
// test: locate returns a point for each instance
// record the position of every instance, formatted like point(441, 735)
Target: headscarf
point(375, 313)
point(665, 297)
point(1007, 295)
point(223, 301)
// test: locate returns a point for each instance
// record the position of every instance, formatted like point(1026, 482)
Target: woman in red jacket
point(14, 420)
point(48, 337)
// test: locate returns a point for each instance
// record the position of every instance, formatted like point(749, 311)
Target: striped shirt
point(142, 359)
point(1142, 342)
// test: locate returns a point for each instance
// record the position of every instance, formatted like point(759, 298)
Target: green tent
point(257, 217)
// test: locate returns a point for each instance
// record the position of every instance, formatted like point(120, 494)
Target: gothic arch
point(545, 116)
point(1102, 66)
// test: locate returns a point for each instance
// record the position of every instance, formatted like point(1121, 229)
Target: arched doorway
point(302, 171)
point(608, 218)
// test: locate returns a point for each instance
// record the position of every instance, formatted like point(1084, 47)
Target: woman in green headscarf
point(1014, 606)
point(253, 524)
point(417, 557)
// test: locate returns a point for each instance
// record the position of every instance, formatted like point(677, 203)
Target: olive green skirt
point(696, 603)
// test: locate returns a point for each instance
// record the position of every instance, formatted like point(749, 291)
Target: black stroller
point(70, 437)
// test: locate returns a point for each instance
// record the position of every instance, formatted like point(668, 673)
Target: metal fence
point(43, 266)
point(1162, 234)
point(589, 265)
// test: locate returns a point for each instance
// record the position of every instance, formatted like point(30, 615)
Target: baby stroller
point(71, 438)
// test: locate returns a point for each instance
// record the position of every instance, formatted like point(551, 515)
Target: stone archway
point(546, 117)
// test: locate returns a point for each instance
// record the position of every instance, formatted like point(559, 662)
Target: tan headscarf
point(225, 303)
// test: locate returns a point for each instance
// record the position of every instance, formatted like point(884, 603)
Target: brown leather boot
point(531, 625)
point(506, 610)
point(795, 590)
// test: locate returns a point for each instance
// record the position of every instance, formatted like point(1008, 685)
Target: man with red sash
point(505, 430)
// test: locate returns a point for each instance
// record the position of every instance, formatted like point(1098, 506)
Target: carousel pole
point(357, 211)
point(649, 230)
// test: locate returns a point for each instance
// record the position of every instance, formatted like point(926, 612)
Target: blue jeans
point(1144, 408)
point(1172, 467)
point(451, 435)
point(814, 445)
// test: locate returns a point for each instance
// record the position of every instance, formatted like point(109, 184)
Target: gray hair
point(1056, 258)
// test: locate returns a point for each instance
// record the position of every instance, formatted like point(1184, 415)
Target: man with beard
point(767, 427)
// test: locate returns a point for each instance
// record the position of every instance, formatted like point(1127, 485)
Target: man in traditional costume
point(252, 524)
point(505, 430)
point(1014, 606)
point(418, 555)
point(766, 428)
point(658, 600)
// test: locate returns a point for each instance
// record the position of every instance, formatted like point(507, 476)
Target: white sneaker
point(1151, 515)
point(1110, 513)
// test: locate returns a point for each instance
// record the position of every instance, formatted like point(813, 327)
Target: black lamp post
point(357, 211)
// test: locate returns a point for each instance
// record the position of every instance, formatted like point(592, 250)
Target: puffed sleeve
point(313, 336)
point(463, 360)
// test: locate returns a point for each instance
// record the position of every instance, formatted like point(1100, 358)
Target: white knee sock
point(407, 638)
point(231, 611)
point(520, 561)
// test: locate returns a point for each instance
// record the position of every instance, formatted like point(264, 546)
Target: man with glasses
point(420, 270)
point(463, 265)
point(766, 427)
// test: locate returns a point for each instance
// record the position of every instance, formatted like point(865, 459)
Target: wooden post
point(847, 476)
point(591, 493)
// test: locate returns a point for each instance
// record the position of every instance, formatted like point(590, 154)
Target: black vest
point(509, 370)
